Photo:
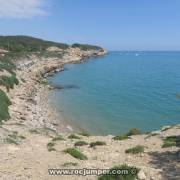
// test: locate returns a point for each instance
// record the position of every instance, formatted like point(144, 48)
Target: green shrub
point(120, 137)
point(34, 131)
point(58, 138)
point(50, 146)
point(80, 143)
point(84, 134)
point(69, 164)
point(171, 141)
point(126, 173)
point(7, 64)
point(133, 131)
point(14, 138)
point(97, 143)
point(4, 104)
point(135, 150)
point(73, 136)
point(75, 153)
point(11, 141)
point(9, 82)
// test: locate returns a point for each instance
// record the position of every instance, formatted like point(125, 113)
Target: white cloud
point(22, 8)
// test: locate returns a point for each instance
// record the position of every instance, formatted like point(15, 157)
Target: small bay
point(122, 90)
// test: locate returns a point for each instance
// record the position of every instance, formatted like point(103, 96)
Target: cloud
point(22, 8)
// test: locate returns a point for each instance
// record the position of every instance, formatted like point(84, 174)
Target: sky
point(112, 24)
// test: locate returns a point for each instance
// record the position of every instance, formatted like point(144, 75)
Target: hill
point(26, 43)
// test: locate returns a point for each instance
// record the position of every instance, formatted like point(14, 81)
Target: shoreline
point(32, 107)
point(35, 124)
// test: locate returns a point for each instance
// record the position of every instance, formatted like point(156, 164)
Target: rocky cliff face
point(78, 54)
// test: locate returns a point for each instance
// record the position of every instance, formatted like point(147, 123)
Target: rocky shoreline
point(35, 137)
point(30, 103)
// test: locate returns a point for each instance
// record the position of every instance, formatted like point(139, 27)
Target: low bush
point(50, 146)
point(9, 81)
point(135, 150)
point(171, 141)
point(58, 138)
point(84, 134)
point(75, 153)
point(69, 164)
point(133, 131)
point(97, 143)
point(4, 104)
point(126, 173)
point(34, 131)
point(80, 143)
point(73, 136)
point(120, 137)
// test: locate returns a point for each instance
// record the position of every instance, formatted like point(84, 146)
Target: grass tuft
point(126, 173)
point(4, 106)
point(73, 136)
point(50, 146)
point(135, 150)
point(133, 131)
point(69, 164)
point(84, 134)
point(80, 143)
point(171, 141)
point(120, 137)
point(34, 131)
point(11, 141)
point(75, 153)
point(97, 143)
point(58, 138)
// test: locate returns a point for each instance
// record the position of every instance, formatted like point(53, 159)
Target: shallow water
point(120, 91)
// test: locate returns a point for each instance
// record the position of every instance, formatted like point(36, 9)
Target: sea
point(125, 89)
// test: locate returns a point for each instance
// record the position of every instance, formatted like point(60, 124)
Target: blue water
point(120, 91)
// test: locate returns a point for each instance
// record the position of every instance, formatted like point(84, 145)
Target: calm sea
point(123, 90)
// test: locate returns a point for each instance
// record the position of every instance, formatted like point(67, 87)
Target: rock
point(164, 128)
point(141, 175)
point(155, 132)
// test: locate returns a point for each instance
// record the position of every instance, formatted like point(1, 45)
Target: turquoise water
point(123, 90)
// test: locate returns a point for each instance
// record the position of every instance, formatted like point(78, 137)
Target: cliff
point(36, 138)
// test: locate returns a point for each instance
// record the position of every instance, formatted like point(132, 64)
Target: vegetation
point(97, 143)
point(7, 64)
point(127, 135)
point(50, 146)
point(73, 136)
point(14, 138)
point(4, 104)
point(84, 134)
point(133, 131)
point(34, 131)
point(86, 47)
point(171, 141)
point(58, 138)
point(135, 150)
point(11, 141)
point(25, 43)
point(120, 137)
point(75, 153)
point(69, 164)
point(125, 173)
point(80, 143)
point(8, 81)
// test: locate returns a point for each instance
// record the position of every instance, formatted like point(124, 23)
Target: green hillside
point(26, 43)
